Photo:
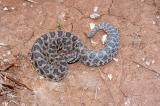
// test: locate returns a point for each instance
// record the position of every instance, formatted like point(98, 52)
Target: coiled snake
point(52, 52)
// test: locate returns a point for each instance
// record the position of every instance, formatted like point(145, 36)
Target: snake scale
point(53, 51)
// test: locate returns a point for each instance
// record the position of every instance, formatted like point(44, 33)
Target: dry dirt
point(133, 79)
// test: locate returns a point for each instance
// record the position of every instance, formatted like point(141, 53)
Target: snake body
point(103, 55)
point(52, 52)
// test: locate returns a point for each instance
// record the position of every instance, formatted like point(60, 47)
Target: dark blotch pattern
point(53, 51)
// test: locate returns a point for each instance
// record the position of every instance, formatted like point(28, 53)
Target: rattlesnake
point(52, 52)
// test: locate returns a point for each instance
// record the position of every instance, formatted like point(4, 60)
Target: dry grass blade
point(17, 82)
point(31, 1)
point(7, 86)
point(7, 67)
point(147, 68)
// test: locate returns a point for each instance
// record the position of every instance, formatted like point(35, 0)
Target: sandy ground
point(132, 79)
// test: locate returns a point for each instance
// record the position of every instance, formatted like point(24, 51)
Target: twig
point(84, 16)
point(110, 6)
point(71, 27)
point(146, 68)
point(31, 1)
point(17, 82)
point(79, 11)
point(7, 85)
point(95, 96)
point(58, 26)
point(32, 35)
point(7, 67)
point(123, 93)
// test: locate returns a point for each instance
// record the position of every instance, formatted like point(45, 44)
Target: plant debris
point(95, 14)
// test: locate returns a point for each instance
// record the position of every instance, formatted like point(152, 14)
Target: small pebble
point(41, 77)
point(5, 60)
point(115, 59)
point(92, 25)
point(23, 104)
point(5, 103)
point(71, 77)
point(8, 52)
point(147, 63)
point(94, 15)
point(154, 22)
point(110, 76)
point(41, 23)
point(93, 42)
point(138, 65)
point(31, 5)
point(95, 9)
point(5, 9)
point(157, 16)
point(104, 37)
point(98, 88)
point(63, 16)
point(24, 4)
point(2, 44)
point(84, 72)
point(39, 12)
point(12, 8)
point(153, 61)
point(142, 0)
point(4, 55)
point(125, 103)
point(143, 59)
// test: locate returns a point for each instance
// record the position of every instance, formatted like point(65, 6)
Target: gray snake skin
point(106, 54)
point(52, 52)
